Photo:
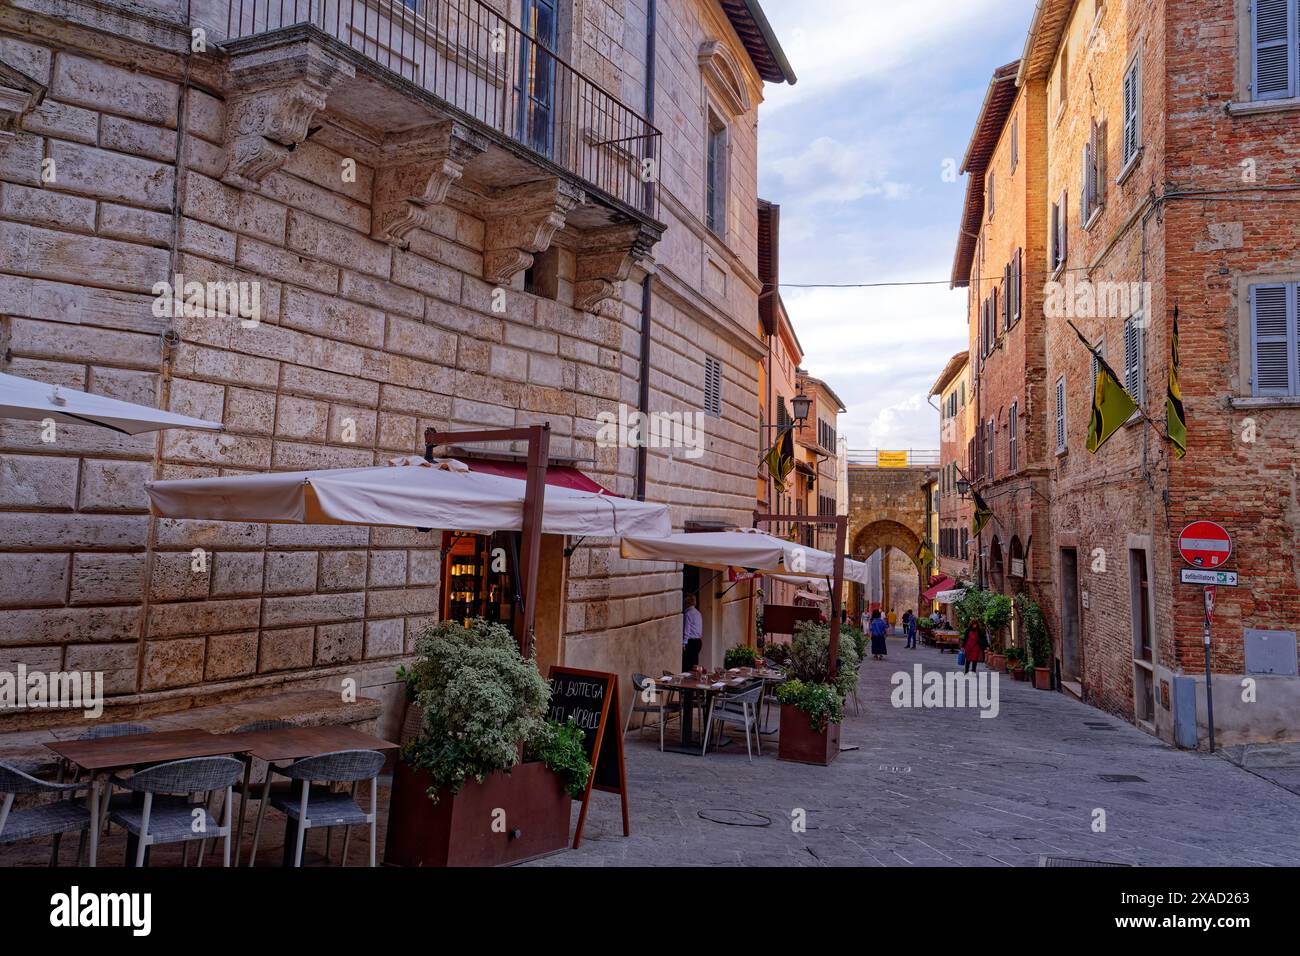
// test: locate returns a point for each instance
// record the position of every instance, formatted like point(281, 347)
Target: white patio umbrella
point(32, 401)
point(405, 493)
point(743, 548)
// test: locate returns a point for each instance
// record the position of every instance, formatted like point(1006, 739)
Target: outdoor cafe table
point(102, 756)
point(688, 685)
point(285, 744)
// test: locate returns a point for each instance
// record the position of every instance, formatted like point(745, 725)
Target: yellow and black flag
point(983, 514)
point(924, 554)
point(780, 458)
point(1112, 406)
point(1175, 417)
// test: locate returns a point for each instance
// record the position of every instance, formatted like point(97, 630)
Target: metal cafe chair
point(739, 708)
point(95, 733)
point(659, 704)
point(57, 818)
point(313, 807)
point(167, 815)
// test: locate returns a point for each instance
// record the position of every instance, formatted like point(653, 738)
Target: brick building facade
point(427, 252)
point(1169, 159)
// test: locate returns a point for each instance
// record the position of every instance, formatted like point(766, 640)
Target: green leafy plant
point(971, 608)
point(857, 636)
point(481, 702)
point(821, 702)
point(810, 658)
point(1037, 638)
point(997, 612)
point(924, 624)
point(777, 652)
point(559, 746)
point(1015, 656)
point(740, 656)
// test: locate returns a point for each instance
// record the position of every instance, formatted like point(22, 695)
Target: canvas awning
point(813, 596)
point(950, 597)
point(28, 400)
point(405, 493)
point(747, 549)
point(943, 584)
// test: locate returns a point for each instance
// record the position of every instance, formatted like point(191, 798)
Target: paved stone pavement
point(948, 788)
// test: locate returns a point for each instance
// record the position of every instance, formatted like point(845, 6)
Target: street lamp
point(963, 487)
point(801, 404)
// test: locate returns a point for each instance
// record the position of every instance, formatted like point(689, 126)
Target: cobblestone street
point(947, 787)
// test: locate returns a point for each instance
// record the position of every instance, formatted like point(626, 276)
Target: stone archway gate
point(887, 507)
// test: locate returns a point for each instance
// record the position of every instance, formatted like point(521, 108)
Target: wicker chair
point(246, 788)
point(312, 807)
point(57, 818)
point(96, 733)
point(167, 815)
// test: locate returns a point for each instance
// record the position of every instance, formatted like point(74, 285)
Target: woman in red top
point(971, 648)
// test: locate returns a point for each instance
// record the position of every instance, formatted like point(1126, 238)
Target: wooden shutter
point(1065, 227)
point(1132, 119)
point(1017, 283)
point(1060, 413)
point(712, 387)
point(1056, 235)
point(1133, 383)
point(993, 317)
point(1273, 338)
point(1013, 441)
point(1007, 295)
point(1273, 45)
point(1086, 190)
point(1099, 164)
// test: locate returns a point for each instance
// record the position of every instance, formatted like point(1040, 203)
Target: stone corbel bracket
point(419, 167)
point(272, 94)
point(521, 222)
point(19, 95)
point(604, 260)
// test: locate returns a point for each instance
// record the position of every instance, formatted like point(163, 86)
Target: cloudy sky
point(854, 153)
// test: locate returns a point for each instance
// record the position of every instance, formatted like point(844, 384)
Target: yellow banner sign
point(891, 459)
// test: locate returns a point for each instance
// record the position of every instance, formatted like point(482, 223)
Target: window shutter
point(1007, 294)
point(1133, 378)
point(1085, 193)
point(1056, 235)
point(713, 387)
point(993, 318)
point(1014, 436)
point(1060, 413)
point(1274, 50)
point(1065, 227)
point(1132, 120)
point(1099, 164)
point(1272, 339)
point(1018, 284)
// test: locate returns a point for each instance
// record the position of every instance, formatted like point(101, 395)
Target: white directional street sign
point(1227, 579)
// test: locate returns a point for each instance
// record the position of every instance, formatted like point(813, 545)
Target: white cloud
point(827, 170)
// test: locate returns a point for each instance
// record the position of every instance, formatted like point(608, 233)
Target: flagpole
point(1142, 412)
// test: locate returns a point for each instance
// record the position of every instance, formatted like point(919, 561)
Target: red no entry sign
point(1205, 544)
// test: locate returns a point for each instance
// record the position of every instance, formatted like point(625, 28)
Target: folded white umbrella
point(406, 493)
point(33, 401)
point(747, 549)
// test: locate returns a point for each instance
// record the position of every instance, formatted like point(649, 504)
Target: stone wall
point(361, 344)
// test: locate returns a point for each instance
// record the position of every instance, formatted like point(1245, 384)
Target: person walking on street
point(972, 646)
point(879, 628)
point(909, 627)
point(692, 633)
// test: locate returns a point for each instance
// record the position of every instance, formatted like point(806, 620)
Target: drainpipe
point(647, 284)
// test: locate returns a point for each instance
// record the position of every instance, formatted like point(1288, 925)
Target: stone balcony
point(456, 105)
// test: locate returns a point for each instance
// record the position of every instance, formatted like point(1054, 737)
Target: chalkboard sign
point(591, 699)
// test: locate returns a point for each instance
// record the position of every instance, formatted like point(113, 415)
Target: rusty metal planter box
point(799, 743)
point(457, 830)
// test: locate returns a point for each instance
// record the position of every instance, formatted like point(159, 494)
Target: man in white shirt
point(692, 633)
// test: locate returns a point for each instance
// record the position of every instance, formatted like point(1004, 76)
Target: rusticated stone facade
point(411, 271)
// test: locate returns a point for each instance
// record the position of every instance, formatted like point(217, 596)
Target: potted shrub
point(1015, 661)
point(1040, 644)
point(812, 704)
point(741, 655)
point(488, 780)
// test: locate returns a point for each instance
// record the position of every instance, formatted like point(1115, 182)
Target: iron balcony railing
point(908, 458)
point(473, 58)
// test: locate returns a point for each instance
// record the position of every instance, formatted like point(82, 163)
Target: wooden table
point(103, 755)
point(688, 685)
point(286, 744)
